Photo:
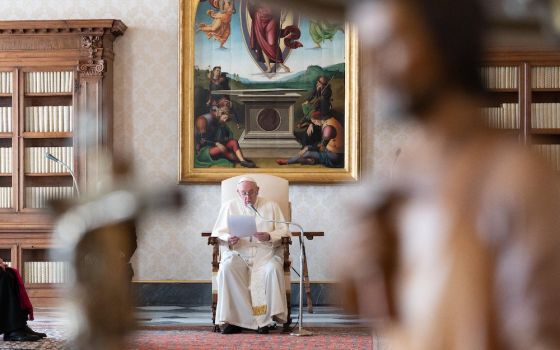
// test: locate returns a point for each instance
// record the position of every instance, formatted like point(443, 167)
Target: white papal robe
point(251, 288)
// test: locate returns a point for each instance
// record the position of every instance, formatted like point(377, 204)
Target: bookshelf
point(524, 98)
point(46, 126)
point(56, 79)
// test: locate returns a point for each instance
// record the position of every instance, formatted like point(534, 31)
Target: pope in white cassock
point(251, 288)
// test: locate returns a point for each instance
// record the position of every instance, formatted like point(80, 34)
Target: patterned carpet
point(188, 328)
point(203, 338)
point(330, 338)
point(46, 344)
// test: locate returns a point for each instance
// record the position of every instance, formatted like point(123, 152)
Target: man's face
point(215, 111)
point(317, 122)
point(224, 114)
point(248, 191)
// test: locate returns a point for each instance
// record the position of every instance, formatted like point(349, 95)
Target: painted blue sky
point(235, 58)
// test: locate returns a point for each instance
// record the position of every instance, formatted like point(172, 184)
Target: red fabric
point(231, 145)
point(329, 132)
point(290, 34)
point(215, 152)
point(265, 31)
point(24, 301)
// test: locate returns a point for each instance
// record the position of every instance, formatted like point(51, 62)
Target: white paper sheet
point(242, 225)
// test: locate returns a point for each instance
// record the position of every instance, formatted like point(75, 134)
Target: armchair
point(273, 188)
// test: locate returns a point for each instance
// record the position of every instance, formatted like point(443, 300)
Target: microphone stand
point(300, 332)
point(54, 159)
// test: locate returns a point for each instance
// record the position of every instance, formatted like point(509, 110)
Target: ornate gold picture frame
point(266, 90)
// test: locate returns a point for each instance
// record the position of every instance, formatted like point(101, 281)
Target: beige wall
point(146, 115)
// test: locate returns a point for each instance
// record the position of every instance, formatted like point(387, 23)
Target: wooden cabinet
point(56, 82)
point(524, 98)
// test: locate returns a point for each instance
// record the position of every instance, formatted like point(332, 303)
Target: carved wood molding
point(92, 67)
point(95, 64)
point(94, 45)
point(96, 26)
point(92, 42)
point(47, 43)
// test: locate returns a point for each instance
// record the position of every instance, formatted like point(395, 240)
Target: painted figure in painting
point(266, 32)
point(329, 152)
point(262, 60)
point(321, 30)
point(219, 81)
point(214, 141)
point(220, 28)
point(319, 100)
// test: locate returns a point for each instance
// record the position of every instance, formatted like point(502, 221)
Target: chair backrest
point(270, 187)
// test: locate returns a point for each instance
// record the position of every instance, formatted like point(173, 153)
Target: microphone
point(252, 207)
point(49, 156)
point(300, 332)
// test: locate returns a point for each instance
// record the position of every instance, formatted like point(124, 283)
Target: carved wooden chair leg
point(286, 241)
point(307, 283)
point(216, 327)
point(213, 241)
point(286, 327)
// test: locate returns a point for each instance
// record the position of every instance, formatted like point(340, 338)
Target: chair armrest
point(286, 241)
point(213, 241)
point(309, 234)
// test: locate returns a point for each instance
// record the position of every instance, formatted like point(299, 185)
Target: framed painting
point(266, 89)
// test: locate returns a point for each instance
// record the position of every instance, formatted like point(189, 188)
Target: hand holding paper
point(242, 225)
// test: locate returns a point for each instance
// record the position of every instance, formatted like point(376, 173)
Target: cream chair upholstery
point(273, 188)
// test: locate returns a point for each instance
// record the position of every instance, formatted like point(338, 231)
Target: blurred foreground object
point(460, 250)
point(526, 22)
point(98, 236)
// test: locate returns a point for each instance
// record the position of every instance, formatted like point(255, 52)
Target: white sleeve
point(280, 230)
point(220, 229)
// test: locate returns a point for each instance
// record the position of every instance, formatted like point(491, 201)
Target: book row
point(49, 82)
point(5, 119)
point(5, 160)
point(545, 77)
point(504, 117)
point(45, 272)
point(551, 153)
point(38, 197)
point(36, 160)
point(48, 118)
point(545, 115)
point(5, 197)
point(500, 77)
point(6, 83)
